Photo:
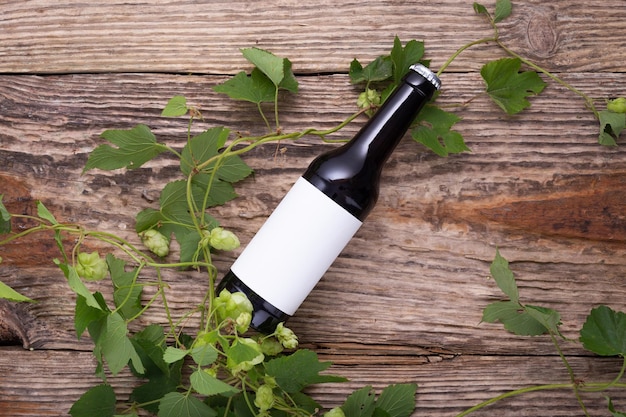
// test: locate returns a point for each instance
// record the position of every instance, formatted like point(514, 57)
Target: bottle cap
point(428, 74)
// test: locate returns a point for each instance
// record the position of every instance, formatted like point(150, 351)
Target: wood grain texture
point(404, 301)
point(320, 36)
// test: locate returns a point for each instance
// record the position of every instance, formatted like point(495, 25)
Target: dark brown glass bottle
point(323, 210)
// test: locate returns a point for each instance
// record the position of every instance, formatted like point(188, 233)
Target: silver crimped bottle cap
point(428, 74)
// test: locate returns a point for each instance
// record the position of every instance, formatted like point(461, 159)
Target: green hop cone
point(335, 412)
point(91, 266)
point(270, 346)
point(286, 336)
point(243, 355)
point(617, 106)
point(264, 398)
point(236, 307)
point(221, 239)
point(156, 242)
point(368, 98)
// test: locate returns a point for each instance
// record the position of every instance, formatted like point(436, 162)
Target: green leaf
point(77, 285)
point(434, 130)
point(135, 147)
point(604, 332)
point(514, 317)
point(150, 346)
point(9, 293)
point(403, 58)
point(116, 347)
point(547, 317)
point(480, 9)
point(508, 87)
point(84, 314)
point(277, 69)
point(504, 277)
point(98, 401)
point(233, 169)
point(173, 354)
point(611, 126)
point(361, 403)
point(305, 402)
point(256, 88)
point(126, 295)
point(204, 355)
point(381, 69)
point(289, 81)
point(175, 404)
point(203, 147)
point(5, 218)
point(173, 216)
point(162, 378)
point(176, 106)
point(503, 10)
point(298, 370)
point(219, 193)
point(397, 400)
point(45, 214)
point(612, 410)
point(206, 384)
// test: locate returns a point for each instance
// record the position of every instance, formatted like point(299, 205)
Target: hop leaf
point(175, 404)
point(243, 355)
point(403, 58)
point(5, 218)
point(503, 10)
point(135, 147)
point(9, 293)
point(99, 401)
point(611, 126)
point(434, 130)
point(379, 69)
point(508, 87)
point(604, 332)
point(299, 370)
point(255, 88)
point(176, 106)
point(517, 318)
point(277, 69)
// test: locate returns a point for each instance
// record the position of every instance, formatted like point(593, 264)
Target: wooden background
point(404, 301)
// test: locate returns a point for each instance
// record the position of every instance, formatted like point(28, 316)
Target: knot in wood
point(542, 34)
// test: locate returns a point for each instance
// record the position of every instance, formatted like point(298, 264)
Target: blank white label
point(295, 247)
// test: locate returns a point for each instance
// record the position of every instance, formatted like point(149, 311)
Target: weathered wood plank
point(320, 36)
point(46, 387)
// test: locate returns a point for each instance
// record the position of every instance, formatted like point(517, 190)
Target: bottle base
point(265, 317)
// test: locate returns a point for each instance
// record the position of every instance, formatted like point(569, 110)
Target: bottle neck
point(381, 134)
point(350, 174)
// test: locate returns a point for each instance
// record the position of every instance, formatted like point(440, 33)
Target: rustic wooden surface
point(403, 303)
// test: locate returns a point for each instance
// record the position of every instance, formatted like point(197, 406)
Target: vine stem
point(462, 49)
point(590, 387)
point(570, 371)
point(589, 102)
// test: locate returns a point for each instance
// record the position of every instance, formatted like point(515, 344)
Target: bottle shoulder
point(346, 179)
